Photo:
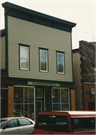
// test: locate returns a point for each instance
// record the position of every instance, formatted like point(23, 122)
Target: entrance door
point(43, 99)
point(91, 105)
point(39, 106)
point(39, 100)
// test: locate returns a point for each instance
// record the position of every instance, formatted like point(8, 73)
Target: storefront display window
point(60, 99)
point(24, 101)
point(64, 95)
point(56, 96)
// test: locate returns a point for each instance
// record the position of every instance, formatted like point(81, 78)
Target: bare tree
point(87, 51)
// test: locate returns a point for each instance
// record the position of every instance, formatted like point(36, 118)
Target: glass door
point(39, 106)
point(39, 100)
point(47, 99)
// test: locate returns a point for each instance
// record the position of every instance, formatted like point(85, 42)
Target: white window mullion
point(60, 62)
point(24, 57)
point(43, 60)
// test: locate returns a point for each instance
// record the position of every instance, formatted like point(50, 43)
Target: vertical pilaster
point(73, 107)
point(10, 101)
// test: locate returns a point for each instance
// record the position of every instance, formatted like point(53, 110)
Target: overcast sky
point(81, 12)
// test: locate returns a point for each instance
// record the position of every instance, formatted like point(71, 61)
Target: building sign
point(92, 91)
point(43, 83)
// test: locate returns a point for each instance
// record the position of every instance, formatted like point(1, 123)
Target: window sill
point(24, 69)
point(61, 73)
point(43, 71)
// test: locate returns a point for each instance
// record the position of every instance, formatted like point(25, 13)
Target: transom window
point(60, 63)
point(24, 57)
point(43, 60)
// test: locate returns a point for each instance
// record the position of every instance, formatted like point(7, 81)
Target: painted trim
point(23, 81)
point(72, 57)
point(39, 58)
point(28, 54)
point(31, 79)
point(37, 17)
point(6, 41)
point(57, 63)
point(48, 59)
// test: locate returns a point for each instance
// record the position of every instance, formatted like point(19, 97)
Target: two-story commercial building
point(38, 50)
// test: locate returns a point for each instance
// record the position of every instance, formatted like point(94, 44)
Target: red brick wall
point(87, 97)
point(73, 107)
point(10, 101)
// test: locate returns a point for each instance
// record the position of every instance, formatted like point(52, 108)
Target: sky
point(81, 12)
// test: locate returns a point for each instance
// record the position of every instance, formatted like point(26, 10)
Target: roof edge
point(20, 8)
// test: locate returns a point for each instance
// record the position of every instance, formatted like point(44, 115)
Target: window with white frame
point(43, 60)
point(60, 99)
point(24, 57)
point(24, 102)
point(60, 63)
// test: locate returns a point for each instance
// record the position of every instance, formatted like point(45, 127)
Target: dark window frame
point(23, 45)
point(60, 73)
point(43, 71)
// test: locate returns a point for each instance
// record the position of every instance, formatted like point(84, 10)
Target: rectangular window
point(24, 57)
point(43, 60)
point(60, 63)
point(60, 99)
point(24, 102)
point(54, 123)
point(83, 124)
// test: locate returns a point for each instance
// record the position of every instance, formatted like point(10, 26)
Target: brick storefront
point(73, 107)
point(83, 66)
point(88, 99)
point(10, 101)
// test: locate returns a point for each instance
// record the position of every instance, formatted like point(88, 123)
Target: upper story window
point(60, 63)
point(24, 57)
point(43, 60)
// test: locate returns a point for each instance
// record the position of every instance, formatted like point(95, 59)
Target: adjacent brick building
point(83, 66)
